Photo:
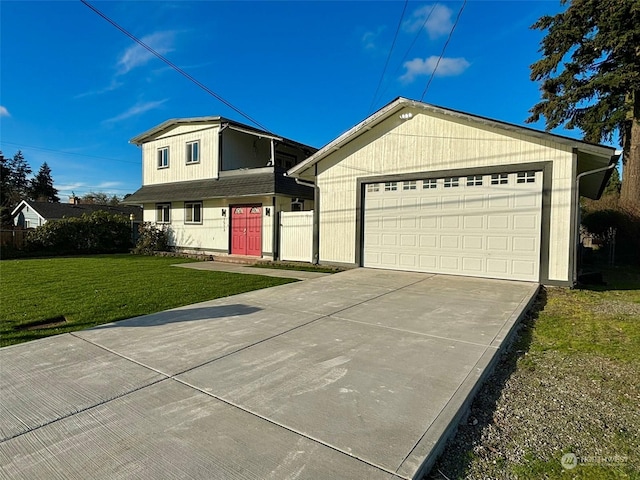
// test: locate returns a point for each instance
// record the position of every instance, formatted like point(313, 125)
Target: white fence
point(296, 236)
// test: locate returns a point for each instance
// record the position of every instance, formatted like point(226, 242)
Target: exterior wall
point(28, 214)
point(242, 150)
point(178, 170)
point(213, 234)
point(429, 142)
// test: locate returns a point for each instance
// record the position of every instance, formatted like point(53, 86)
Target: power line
point(21, 145)
point(415, 39)
point(443, 49)
point(386, 63)
point(175, 67)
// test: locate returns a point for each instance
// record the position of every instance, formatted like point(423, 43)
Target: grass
point(86, 291)
point(569, 384)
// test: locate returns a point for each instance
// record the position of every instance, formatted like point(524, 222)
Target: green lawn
point(92, 290)
point(570, 384)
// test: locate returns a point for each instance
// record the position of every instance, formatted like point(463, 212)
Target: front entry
point(246, 230)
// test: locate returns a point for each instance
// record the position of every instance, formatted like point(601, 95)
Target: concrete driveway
point(356, 375)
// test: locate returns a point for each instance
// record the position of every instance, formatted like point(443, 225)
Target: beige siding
point(424, 143)
point(178, 170)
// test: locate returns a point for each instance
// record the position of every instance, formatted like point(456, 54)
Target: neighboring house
point(422, 188)
point(219, 185)
point(30, 214)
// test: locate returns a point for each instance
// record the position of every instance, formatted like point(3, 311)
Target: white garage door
point(481, 225)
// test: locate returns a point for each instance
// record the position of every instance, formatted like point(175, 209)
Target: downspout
point(223, 127)
point(614, 162)
point(315, 253)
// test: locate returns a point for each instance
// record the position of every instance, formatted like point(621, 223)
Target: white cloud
point(111, 87)
point(137, 109)
point(370, 38)
point(447, 67)
point(136, 55)
point(439, 21)
point(4, 112)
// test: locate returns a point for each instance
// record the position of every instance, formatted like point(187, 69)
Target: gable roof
point(56, 211)
point(401, 103)
point(254, 182)
point(211, 120)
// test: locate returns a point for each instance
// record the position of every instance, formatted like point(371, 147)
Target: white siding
point(430, 142)
point(179, 171)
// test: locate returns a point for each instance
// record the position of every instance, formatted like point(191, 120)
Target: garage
point(423, 188)
point(475, 225)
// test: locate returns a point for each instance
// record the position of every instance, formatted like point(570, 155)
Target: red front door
point(246, 230)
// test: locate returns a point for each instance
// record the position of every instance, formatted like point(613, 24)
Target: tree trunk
point(630, 191)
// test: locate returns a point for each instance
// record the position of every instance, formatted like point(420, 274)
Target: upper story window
point(163, 213)
point(192, 212)
point(163, 157)
point(193, 152)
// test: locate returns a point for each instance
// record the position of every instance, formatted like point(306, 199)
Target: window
point(192, 212)
point(390, 186)
point(430, 183)
point(450, 182)
point(373, 187)
point(163, 157)
point(474, 181)
point(193, 152)
point(409, 185)
point(499, 179)
point(163, 213)
point(526, 177)
point(297, 205)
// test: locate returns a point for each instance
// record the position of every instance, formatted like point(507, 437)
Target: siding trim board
point(547, 173)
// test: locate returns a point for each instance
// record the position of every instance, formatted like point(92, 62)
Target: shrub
point(152, 239)
point(99, 232)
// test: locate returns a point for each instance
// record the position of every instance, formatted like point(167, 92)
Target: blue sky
point(74, 90)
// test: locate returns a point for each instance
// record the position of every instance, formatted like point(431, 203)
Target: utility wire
point(415, 39)
point(386, 63)
point(443, 49)
point(21, 145)
point(175, 67)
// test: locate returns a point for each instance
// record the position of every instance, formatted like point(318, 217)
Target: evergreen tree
point(5, 188)
point(18, 178)
point(589, 73)
point(41, 188)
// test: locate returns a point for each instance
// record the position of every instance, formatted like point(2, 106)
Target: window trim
point(190, 206)
point(189, 154)
point(163, 207)
point(162, 161)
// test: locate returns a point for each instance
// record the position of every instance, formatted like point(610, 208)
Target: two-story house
point(219, 185)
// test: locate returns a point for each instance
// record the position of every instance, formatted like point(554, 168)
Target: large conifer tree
point(590, 73)
point(42, 188)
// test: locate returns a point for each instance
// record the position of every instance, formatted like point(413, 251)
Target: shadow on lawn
point(458, 453)
point(183, 314)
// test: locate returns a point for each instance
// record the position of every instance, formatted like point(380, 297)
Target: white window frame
point(474, 181)
point(390, 186)
point(429, 183)
point(373, 187)
point(193, 152)
point(526, 177)
point(410, 185)
point(163, 157)
point(163, 213)
point(499, 179)
point(190, 209)
point(451, 182)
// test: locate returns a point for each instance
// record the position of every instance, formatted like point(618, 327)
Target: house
point(422, 188)
point(219, 185)
point(28, 214)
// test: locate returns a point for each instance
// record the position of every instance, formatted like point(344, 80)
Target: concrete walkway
point(357, 375)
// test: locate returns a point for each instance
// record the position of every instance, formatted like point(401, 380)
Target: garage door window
point(526, 177)
point(499, 179)
point(391, 186)
point(373, 187)
point(430, 183)
point(474, 181)
point(409, 185)
point(450, 182)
